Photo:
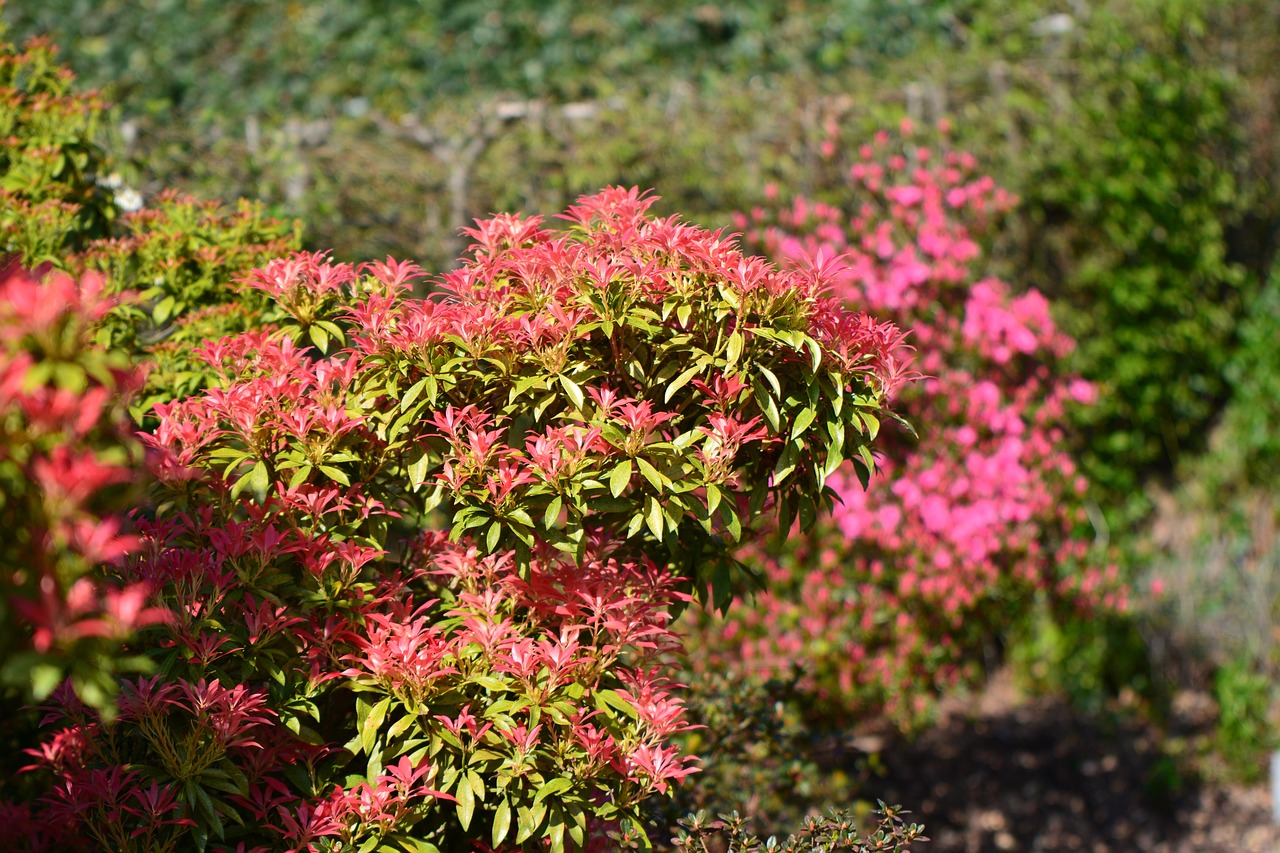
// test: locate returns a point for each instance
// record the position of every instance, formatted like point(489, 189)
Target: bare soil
point(1004, 774)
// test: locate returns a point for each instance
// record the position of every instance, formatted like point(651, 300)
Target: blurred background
point(1140, 137)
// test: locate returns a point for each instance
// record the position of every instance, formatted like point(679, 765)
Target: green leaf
point(577, 829)
point(412, 394)
point(44, 678)
point(334, 330)
point(571, 388)
point(558, 785)
point(787, 462)
point(815, 353)
point(527, 821)
point(257, 479)
point(680, 382)
point(872, 424)
point(400, 726)
point(336, 474)
point(650, 473)
point(369, 730)
point(802, 422)
point(552, 515)
point(418, 470)
point(653, 517)
point(619, 477)
point(713, 498)
point(203, 803)
point(767, 405)
point(835, 458)
point(734, 351)
point(773, 380)
point(520, 516)
point(164, 309)
point(319, 337)
point(466, 801)
point(609, 699)
point(501, 822)
point(556, 834)
point(731, 522)
point(477, 784)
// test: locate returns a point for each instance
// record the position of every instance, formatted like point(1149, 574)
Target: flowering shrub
point(62, 207)
point(894, 598)
point(50, 200)
point(66, 458)
point(176, 259)
point(597, 418)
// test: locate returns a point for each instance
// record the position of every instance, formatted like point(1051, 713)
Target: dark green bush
point(1131, 185)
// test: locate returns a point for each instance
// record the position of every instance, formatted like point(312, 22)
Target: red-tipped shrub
point(66, 461)
point(596, 417)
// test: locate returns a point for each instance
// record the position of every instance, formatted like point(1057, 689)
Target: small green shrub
point(1246, 731)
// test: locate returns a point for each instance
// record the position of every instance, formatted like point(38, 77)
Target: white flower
point(128, 199)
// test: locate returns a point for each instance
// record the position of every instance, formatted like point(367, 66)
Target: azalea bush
point(419, 557)
point(897, 597)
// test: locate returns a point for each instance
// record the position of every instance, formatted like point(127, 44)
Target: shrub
point(51, 200)
point(1130, 196)
point(67, 458)
point(902, 592)
point(61, 207)
point(837, 832)
point(1244, 450)
point(597, 418)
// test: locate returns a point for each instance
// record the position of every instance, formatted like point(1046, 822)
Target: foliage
point(198, 59)
point(1129, 190)
point(177, 260)
point(1246, 731)
point(838, 831)
point(1244, 449)
point(1121, 127)
point(50, 199)
point(758, 756)
point(67, 458)
point(62, 207)
point(1090, 659)
point(899, 595)
point(594, 414)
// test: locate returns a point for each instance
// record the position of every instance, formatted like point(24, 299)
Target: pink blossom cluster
point(893, 600)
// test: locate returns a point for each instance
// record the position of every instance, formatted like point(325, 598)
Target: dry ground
point(1003, 774)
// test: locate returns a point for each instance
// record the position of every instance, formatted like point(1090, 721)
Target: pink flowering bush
point(418, 557)
point(894, 598)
